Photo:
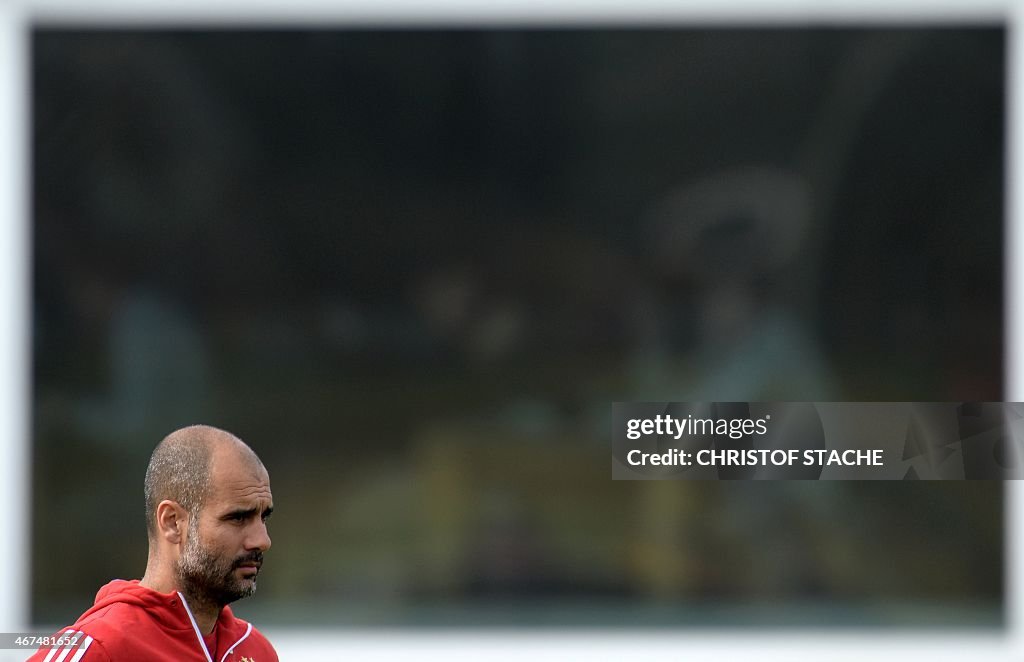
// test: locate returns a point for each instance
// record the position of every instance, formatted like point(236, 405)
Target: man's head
point(207, 500)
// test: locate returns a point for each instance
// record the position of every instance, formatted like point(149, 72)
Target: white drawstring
point(199, 635)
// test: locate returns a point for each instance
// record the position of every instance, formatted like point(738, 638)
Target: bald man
point(207, 502)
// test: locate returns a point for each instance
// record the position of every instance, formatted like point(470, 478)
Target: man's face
point(224, 547)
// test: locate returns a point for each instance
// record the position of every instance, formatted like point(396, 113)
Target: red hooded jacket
point(129, 622)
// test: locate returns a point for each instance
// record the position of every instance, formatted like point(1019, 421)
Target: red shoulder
point(261, 643)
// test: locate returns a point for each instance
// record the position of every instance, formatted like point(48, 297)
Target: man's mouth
point(254, 566)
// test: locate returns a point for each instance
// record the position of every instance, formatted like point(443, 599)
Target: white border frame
point(14, 311)
point(18, 17)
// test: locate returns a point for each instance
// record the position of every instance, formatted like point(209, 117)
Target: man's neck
point(205, 612)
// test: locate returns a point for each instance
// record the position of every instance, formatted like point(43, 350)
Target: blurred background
point(413, 268)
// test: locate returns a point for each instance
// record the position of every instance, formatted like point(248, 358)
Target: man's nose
point(260, 538)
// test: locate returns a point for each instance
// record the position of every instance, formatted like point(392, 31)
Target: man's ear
point(171, 521)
